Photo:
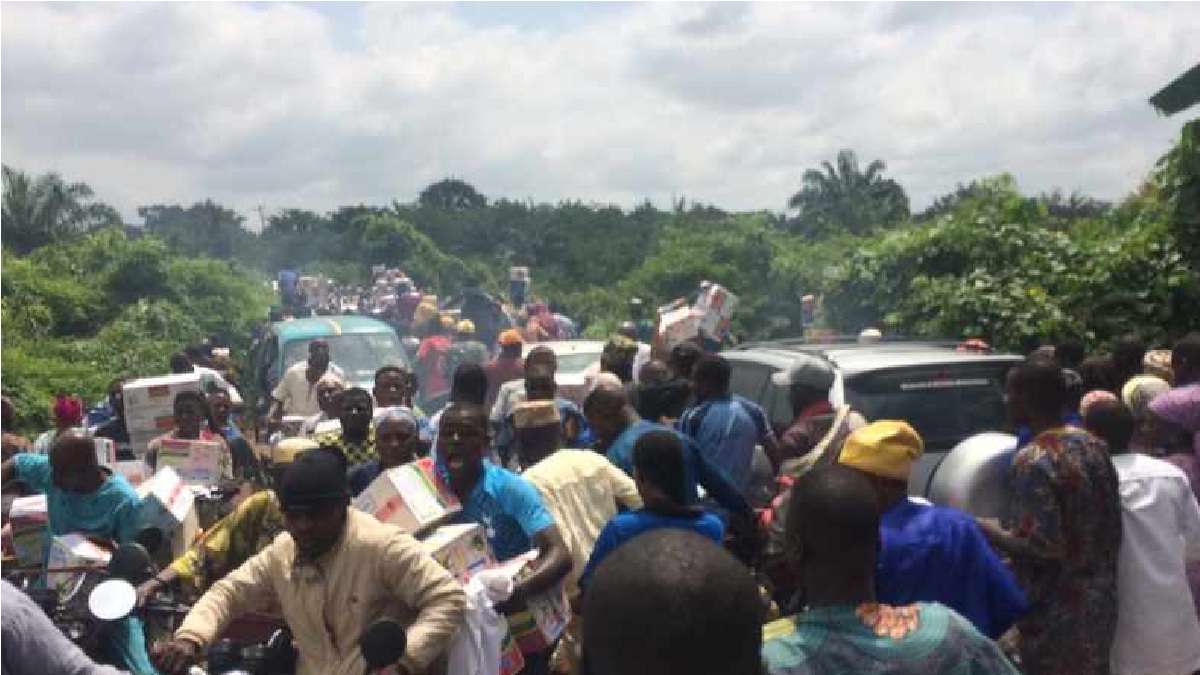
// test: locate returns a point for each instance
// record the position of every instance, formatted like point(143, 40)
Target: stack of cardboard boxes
point(150, 406)
point(710, 315)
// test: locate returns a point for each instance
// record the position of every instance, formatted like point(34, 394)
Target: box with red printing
point(413, 496)
point(546, 614)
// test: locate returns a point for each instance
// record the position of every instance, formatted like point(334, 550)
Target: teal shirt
point(834, 641)
point(111, 512)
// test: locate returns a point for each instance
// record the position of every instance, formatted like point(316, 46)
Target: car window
point(778, 407)
point(577, 362)
point(749, 380)
point(945, 404)
point(358, 354)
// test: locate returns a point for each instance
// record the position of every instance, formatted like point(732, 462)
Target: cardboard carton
point(292, 425)
point(200, 462)
point(106, 451)
point(169, 505)
point(716, 304)
point(72, 550)
point(412, 496)
point(461, 549)
point(134, 471)
point(157, 391)
point(28, 517)
point(327, 427)
point(546, 614)
point(679, 325)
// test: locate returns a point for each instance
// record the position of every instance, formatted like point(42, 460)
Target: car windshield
point(358, 354)
point(944, 404)
point(576, 362)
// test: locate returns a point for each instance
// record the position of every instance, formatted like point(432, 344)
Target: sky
point(316, 105)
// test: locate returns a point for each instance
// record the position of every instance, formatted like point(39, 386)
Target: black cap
point(315, 481)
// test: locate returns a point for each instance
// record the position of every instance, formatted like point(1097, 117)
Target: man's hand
point(514, 604)
point(174, 657)
point(147, 590)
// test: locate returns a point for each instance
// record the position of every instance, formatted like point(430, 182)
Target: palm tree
point(847, 198)
point(39, 210)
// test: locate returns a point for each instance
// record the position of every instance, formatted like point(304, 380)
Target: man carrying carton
point(83, 497)
point(507, 506)
point(229, 543)
point(333, 573)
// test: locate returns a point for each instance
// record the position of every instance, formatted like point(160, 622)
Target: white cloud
point(286, 105)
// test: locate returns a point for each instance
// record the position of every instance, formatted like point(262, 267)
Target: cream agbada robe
point(374, 571)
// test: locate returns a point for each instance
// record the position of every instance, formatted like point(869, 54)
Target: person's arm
point(718, 486)
point(623, 487)
point(9, 470)
point(426, 587)
point(504, 440)
point(245, 588)
point(552, 566)
point(1038, 535)
point(32, 644)
point(1189, 521)
point(31, 468)
point(1005, 600)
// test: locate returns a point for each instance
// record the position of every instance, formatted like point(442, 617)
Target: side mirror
point(131, 563)
point(112, 599)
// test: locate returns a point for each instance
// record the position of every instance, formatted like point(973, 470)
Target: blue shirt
point(934, 554)
point(626, 526)
point(727, 429)
point(111, 512)
point(698, 470)
point(509, 508)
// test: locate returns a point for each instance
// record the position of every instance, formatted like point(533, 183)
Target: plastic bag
point(477, 649)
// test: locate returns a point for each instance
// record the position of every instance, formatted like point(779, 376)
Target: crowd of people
point(679, 551)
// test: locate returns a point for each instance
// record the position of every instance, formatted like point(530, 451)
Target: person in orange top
point(507, 366)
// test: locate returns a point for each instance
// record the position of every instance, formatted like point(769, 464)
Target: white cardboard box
point(679, 325)
point(72, 550)
point(412, 496)
point(546, 615)
point(28, 517)
point(195, 461)
point(155, 391)
point(462, 549)
point(169, 504)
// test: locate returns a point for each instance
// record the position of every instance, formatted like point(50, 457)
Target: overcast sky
point(318, 105)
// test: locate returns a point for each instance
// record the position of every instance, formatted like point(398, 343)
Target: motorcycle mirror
point(151, 539)
point(131, 562)
point(382, 644)
point(112, 599)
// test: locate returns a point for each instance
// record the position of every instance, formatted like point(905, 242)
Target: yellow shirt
point(374, 571)
point(581, 489)
point(230, 542)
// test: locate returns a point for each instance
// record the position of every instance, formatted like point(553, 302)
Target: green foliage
point(846, 199)
point(39, 210)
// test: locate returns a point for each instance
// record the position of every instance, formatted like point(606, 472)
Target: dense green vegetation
point(984, 260)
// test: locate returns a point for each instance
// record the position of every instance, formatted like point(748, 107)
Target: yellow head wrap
point(886, 449)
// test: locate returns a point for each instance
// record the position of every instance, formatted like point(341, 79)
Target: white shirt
point(234, 397)
point(1157, 629)
point(297, 394)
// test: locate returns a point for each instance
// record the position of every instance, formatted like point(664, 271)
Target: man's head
point(539, 384)
point(470, 384)
point(1037, 391)
point(1185, 360)
point(653, 372)
point(710, 377)
point(683, 359)
point(463, 440)
point(220, 407)
point(318, 354)
point(116, 396)
point(73, 464)
point(191, 413)
point(628, 329)
point(396, 437)
point(1112, 422)
point(658, 469)
point(1070, 353)
point(314, 498)
point(671, 602)
point(1098, 372)
point(832, 534)
point(329, 389)
point(394, 385)
point(618, 357)
point(608, 411)
point(1128, 353)
point(538, 427)
point(541, 356)
point(884, 452)
point(355, 410)
point(181, 364)
point(808, 381)
point(511, 344)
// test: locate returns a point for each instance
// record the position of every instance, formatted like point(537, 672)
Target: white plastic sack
point(475, 650)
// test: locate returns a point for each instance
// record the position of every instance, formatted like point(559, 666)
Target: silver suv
point(947, 394)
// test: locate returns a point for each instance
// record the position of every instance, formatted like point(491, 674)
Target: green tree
point(848, 199)
point(450, 194)
point(205, 228)
point(42, 209)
